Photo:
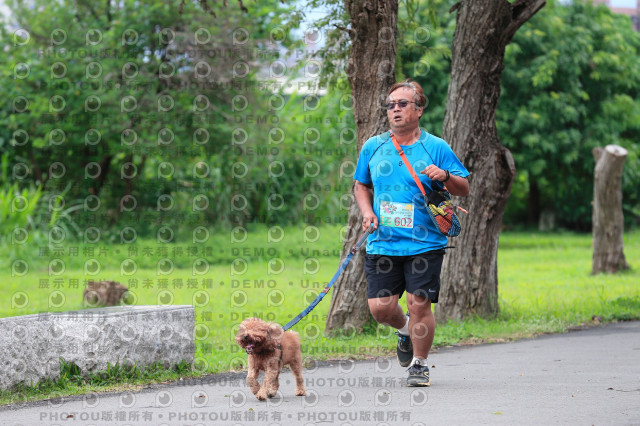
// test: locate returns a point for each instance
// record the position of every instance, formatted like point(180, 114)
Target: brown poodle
point(270, 348)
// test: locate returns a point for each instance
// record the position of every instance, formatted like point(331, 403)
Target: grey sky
point(624, 3)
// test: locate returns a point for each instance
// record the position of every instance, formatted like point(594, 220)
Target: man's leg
point(423, 286)
point(385, 284)
point(387, 311)
point(422, 324)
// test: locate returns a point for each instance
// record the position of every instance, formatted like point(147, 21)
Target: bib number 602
point(403, 221)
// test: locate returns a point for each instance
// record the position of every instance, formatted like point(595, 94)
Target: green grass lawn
point(544, 286)
point(549, 277)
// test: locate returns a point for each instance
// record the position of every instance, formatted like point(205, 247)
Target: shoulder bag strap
point(406, 163)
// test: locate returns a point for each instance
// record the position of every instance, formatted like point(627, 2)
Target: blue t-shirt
point(404, 226)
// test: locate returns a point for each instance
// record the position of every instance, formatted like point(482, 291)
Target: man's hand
point(434, 173)
point(364, 197)
point(368, 219)
point(456, 185)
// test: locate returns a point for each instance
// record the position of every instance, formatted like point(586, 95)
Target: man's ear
point(275, 331)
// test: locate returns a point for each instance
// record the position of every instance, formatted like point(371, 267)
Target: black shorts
point(418, 274)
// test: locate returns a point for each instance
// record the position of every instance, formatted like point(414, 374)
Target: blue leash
point(324, 291)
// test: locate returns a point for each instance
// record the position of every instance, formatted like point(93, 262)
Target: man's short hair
point(418, 94)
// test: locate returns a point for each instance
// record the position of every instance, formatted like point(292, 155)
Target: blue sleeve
point(363, 174)
point(449, 161)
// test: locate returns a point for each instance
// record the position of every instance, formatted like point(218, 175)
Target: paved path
point(583, 378)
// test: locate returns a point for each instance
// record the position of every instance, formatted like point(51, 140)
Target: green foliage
point(17, 208)
point(333, 25)
point(134, 148)
point(69, 371)
point(127, 105)
point(295, 170)
point(626, 308)
point(424, 54)
point(572, 83)
point(31, 218)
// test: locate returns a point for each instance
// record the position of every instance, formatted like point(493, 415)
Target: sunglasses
point(401, 104)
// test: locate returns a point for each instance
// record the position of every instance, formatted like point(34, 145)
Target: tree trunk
point(533, 205)
point(371, 71)
point(105, 165)
point(608, 221)
point(483, 30)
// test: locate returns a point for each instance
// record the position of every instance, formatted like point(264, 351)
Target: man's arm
point(364, 197)
point(456, 185)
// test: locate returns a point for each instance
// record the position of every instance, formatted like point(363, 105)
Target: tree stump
point(103, 293)
point(608, 221)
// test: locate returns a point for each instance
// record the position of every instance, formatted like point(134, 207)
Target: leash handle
point(362, 239)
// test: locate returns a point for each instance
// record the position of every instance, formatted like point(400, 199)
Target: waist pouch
point(442, 213)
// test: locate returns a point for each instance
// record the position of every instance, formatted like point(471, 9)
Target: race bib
point(397, 215)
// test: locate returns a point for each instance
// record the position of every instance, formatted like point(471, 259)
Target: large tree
point(371, 71)
point(483, 29)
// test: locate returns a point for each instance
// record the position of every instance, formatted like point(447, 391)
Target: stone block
point(24, 351)
point(31, 346)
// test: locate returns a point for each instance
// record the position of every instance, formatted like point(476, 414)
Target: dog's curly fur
point(270, 348)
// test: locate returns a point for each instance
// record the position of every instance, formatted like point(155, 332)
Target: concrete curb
point(31, 345)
